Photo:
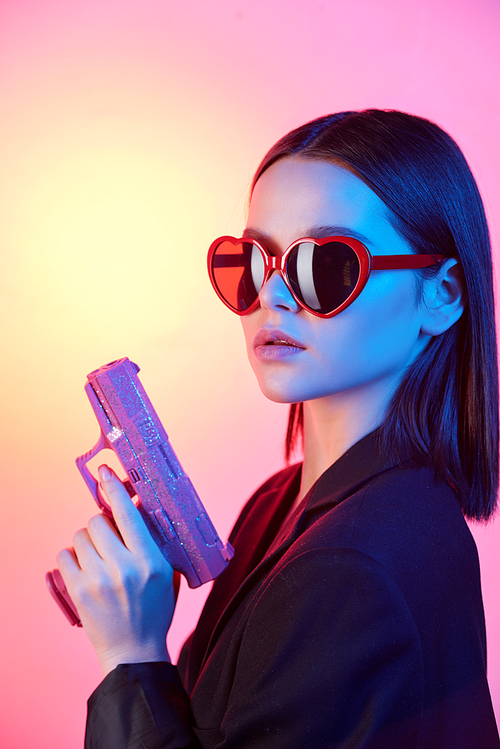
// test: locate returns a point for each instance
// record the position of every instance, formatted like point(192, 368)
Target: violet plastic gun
point(167, 500)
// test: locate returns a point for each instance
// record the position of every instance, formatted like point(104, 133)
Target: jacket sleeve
point(140, 706)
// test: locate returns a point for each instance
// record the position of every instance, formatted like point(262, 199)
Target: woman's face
point(365, 349)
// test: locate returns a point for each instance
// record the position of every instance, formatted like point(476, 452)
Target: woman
point(351, 614)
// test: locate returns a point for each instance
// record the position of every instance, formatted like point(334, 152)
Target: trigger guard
point(90, 479)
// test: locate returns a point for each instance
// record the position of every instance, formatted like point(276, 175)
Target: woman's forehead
point(299, 197)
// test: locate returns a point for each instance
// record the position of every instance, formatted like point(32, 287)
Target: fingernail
point(104, 473)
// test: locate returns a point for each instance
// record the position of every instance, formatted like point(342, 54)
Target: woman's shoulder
point(366, 486)
point(410, 523)
point(411, 498)
point(406, 508)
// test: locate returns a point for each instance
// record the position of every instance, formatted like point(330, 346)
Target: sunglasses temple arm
point(395, 262)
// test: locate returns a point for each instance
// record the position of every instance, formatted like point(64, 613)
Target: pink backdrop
point(128, 134)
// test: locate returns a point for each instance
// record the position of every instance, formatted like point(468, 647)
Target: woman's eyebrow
point(250, 233)
point(315, 232)
point(319, 232)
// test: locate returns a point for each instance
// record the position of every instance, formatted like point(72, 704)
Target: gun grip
point(58, 591)
point(89, 479)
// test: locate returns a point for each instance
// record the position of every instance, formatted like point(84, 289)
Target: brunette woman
point(351, 614)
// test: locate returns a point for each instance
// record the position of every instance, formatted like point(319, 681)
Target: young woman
point(351, 614)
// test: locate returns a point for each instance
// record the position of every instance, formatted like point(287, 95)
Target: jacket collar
point(358, 465)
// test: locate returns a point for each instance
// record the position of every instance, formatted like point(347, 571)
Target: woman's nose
point(275, 294)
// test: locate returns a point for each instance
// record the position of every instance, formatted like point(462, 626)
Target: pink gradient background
point(129, 131)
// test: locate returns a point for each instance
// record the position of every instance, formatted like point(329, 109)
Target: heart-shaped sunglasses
point(324, 276)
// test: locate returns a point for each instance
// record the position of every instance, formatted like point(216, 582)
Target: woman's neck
point(332, 426)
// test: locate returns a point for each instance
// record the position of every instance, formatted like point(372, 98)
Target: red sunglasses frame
point(367, 263)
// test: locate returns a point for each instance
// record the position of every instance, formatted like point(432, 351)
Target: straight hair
point(444, 413)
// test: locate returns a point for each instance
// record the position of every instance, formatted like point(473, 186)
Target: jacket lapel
point(359, 465)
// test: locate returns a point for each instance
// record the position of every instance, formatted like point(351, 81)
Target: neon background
point(129, 131)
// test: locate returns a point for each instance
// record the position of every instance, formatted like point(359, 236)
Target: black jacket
point(361, 628)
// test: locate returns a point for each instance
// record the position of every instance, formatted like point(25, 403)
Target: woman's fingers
point(99, 540)
point(102, 540)
point(122, 589)
point(86, 555)
point(103, 535)
point(67, 562)
point(127, 517)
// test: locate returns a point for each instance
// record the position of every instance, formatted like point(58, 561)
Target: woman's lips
point(274, 344)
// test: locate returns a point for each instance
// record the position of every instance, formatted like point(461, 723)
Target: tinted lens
point(323, 276)
point(238, 272)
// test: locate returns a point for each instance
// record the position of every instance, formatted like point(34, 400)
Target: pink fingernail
point(104, 473)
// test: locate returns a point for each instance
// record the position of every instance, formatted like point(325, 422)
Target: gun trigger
point(128, 486)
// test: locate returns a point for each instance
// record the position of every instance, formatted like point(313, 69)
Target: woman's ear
point(443, 298)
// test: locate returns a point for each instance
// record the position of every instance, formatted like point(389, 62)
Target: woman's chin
point(279, 393)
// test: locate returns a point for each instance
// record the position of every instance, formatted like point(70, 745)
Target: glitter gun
point(167, 500)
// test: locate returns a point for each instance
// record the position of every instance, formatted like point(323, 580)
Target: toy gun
point(167, 500)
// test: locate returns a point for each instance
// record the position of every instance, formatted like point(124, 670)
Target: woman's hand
point(122, 587)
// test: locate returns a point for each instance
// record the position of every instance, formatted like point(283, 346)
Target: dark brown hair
point(445, 411)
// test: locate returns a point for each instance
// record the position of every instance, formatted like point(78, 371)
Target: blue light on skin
point(350, 364)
